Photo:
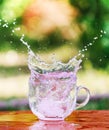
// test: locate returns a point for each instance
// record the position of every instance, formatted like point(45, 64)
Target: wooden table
point(78, 120)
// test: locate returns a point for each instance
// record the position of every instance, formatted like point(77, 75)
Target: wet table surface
point(78, 120)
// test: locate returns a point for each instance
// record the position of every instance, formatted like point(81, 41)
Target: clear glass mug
point(53, 95)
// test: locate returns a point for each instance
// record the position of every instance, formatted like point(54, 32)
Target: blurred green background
point(60, 27)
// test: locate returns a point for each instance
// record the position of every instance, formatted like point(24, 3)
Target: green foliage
point(100, 104)
point(13, 71)
point(12, 9)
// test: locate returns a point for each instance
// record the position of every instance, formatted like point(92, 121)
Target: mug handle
point(79, 105)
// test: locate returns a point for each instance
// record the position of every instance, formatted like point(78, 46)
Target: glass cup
point(53, 95)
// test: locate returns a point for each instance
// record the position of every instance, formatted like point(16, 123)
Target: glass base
point(51, 118)
point(47, 118)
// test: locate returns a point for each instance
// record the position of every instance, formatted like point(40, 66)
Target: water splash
point(37, 64)
point(81, 53)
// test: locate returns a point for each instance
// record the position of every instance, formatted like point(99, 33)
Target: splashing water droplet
point(79, 54)
point(25, 43)
point(5, 25)
point(95, 38)
point(17, 29)
point(104, 32)
point(101, 31)
point(83, 55)
point(90, 44)
point(86, 49)
point(13, 31)
point(14, 23)
point(35, 62)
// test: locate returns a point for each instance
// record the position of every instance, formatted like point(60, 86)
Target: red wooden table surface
point(78, 120)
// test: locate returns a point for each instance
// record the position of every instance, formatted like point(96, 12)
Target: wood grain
point(78, 120)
